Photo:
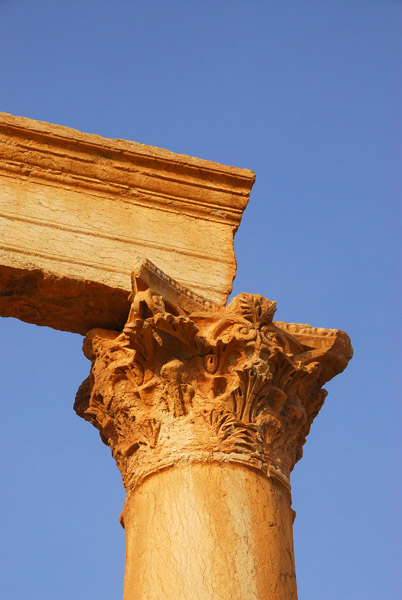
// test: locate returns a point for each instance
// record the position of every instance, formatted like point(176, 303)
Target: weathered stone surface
point(212, 387)
point(205, 407)
point(208, 531)
point(76, 208)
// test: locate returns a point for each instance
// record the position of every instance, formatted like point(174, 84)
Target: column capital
point(192, 381)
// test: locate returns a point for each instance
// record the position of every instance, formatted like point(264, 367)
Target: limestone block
point(75, 210)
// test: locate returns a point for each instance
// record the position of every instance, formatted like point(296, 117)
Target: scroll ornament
point(224, 384)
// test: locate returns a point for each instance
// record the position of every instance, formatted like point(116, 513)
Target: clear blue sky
point(307, 94)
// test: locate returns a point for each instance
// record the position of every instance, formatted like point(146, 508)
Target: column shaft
point(209, 532)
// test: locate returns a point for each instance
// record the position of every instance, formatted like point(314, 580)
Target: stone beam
point(75, 209)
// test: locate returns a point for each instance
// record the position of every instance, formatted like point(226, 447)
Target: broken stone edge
point(63, 156)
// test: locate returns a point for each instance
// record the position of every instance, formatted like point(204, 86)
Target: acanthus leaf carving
point(224, 383)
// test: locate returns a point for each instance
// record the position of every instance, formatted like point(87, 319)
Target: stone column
point(206, 409)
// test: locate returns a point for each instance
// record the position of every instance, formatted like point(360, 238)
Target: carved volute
point(216, 384)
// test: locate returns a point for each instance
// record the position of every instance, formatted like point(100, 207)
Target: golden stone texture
point(222, 395)
point(205, 407)
point(76, 208)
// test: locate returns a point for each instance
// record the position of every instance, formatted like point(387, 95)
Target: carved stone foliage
point(224, 383)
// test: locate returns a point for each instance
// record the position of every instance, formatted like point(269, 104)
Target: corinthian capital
point(189, 380)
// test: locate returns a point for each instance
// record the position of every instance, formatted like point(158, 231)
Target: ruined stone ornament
point(217, 402)
point(192, 381)
point(205, 407)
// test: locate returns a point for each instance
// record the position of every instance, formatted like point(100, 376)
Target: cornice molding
point(136, 172)
point(75, 208)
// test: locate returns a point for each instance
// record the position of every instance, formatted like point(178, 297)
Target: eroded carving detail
point(224, 384)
